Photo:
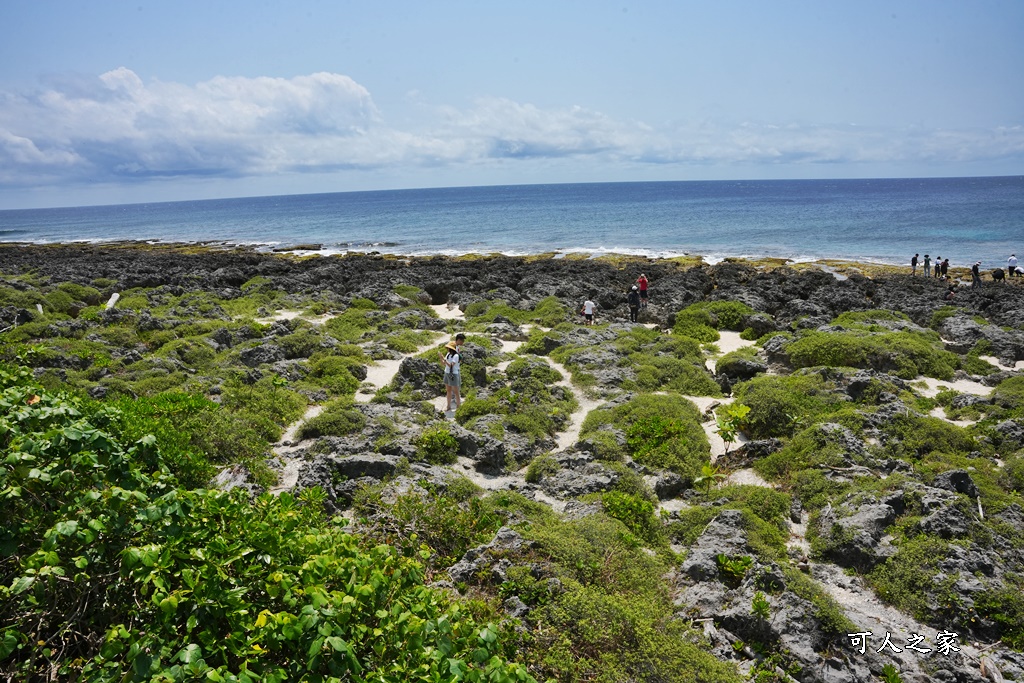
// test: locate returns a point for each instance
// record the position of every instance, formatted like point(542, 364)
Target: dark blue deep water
point(963, 219)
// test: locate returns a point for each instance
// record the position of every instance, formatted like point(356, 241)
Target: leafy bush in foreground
point(109, 572)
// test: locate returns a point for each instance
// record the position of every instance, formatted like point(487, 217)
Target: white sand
point(446, 312)
point(1019, 365)
point(962, 386)
point(291, 315)
point(572, 433)
point(940, 413)
point(285, 449)
point(383, 371)
point(748, 477)
point(729, 341)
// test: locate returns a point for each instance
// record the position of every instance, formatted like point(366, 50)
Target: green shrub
point(58, 301)
point(662, 431)
point(88, 295)
point(906, 354)
point(778, 404)
point(336, 373)
point(695, 324)
point(915, 436)
point(904, 580)
point(337, 419)
point(445, 525)
point(540, 467)
point(1009, 393)
point(637, 513)
point(194, 352)
point(437, 445)
point(302, 343)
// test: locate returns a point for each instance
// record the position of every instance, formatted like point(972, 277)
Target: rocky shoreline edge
point(886, 358)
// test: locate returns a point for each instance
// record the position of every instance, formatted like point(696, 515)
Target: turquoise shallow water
point(884, 220)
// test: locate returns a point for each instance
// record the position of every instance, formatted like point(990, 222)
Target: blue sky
point(116, 102)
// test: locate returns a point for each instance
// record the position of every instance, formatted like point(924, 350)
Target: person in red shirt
point(642, 284)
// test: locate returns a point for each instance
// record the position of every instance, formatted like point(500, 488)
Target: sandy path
point(940, 413)
point(729, 341)
point(571, 434)
point(292, 315)
point(383, 371)
point(446, 312)
point(1019, 365)
point(285, 449)
point(963, 386)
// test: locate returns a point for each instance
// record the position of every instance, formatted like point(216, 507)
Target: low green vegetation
point(646, 359)
point(661, 431)
point(905, 354)
point(530, 403)
point(779, 405)
point(702, 320)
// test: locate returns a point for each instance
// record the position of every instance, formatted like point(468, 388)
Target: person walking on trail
point(976, 276)
point(1011, 265)
point(945, 266)
point(633, 298)
point(642, 283)
point(913, 265)
point(588, 311)
point(452, 374)
point(927, 265)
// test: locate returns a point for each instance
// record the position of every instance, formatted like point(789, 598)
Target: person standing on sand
point(927, 265)
point(913, 265)
point(452, 374)
point(642, 283)
point(588, 311)
point(945, 266)
point(1011, 265)
point(633, 298)
point(976, 276)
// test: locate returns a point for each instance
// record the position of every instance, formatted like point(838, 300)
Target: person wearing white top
point(588, 311)
point(1011, 265)
point(452, 375)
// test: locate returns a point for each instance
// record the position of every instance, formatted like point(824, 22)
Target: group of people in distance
point(941, 267)
point(636, 298)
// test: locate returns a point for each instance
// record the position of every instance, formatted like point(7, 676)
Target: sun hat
point(634, 286)
point(451, 345)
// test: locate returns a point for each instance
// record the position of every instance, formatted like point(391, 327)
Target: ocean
point(883, 220)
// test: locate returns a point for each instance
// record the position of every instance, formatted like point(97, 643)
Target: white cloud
point(118, 127)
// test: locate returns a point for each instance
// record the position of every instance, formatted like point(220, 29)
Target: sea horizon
point(871, 220)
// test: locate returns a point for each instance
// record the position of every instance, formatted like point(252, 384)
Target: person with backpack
point(633, 299)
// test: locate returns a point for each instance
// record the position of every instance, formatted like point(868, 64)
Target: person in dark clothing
point(633, 298)
point(945, 266)
point(927, 265)
point(976, 276)
point(913, 265)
